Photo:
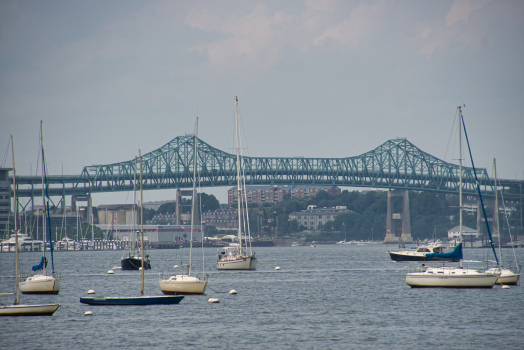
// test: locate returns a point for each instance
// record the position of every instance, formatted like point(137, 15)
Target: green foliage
point(148, 214)
point(209, 202)
point(168, 208)
point(430, 214)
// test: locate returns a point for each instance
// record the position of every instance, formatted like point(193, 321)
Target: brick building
point(222, 218)
point(274, 194)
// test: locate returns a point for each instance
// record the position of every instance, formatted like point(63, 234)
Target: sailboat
point(446, 276)
point(134, 260)
point(506, 276)
point(185, 283)
point(236, 255)
point(43, 283)
point(16, 309)
point(142, 299)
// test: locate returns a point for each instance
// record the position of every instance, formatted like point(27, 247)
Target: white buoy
point(91, 291)
point(277, 268)
point(110, 272)
point(88, 313)
point(505, 287)
point(140, 268)
point(213, 300)
point(232, 291)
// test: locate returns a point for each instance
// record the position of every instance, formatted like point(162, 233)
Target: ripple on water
point(330, 297)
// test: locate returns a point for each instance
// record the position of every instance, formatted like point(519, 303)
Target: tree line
point(431, 216)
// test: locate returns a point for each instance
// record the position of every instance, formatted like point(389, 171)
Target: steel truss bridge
point(396, 164)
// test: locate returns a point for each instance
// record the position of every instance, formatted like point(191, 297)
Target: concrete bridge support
point(406, 226)
point(178, 214)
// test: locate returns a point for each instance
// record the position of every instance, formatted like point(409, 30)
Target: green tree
point(209, 202)
point(165, 208)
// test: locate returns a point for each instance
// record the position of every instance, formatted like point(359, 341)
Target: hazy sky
point(314, 78)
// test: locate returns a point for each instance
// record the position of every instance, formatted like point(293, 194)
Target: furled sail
point(456, 254)
point(43, 263)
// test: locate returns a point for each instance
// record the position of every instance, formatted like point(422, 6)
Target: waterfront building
point(118, 214)
point(152, 233)
point(170, 218)
point(471, 205)
point(467, 233)
point(221, 219)
point(313, 216)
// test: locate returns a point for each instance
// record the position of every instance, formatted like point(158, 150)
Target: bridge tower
point(406, 226)
point(178, 216)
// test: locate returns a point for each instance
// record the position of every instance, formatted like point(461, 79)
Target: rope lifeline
point(216, 290)
point(265, 262)
point(73, 312)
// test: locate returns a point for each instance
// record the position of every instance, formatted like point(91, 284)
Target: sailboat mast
point(496, 209)
point(133, 234)
point(239, 188)
point(460, 175)
point(16, 227)
point(43, 197)
point(141, 221)
point(193, 200)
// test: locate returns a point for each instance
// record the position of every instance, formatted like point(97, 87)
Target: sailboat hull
point(413, 256)
point(509, 279)
point(140, 300)
point(40, 284)
point(29, 310)
point(239, 263)
point(506, 276)
point(449, 277)
point(134, 263)
point(183, 284)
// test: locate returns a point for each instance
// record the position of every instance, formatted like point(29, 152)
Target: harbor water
point(327, 297)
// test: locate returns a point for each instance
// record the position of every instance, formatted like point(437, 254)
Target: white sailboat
point(506, 276)
point(452, 277)
point(186, 283)
point(43, 283)
point(239, 256)
point(16, 309)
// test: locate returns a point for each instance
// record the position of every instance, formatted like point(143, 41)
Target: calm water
point(329, 297)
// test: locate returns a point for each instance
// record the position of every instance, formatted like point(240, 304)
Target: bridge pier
point(406, 226)
point(187, 193)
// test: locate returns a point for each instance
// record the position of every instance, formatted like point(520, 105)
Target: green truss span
point(396, 164)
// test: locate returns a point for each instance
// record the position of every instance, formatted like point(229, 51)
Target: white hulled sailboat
point(16, 309)
point(446, 276)
point(42, 282)
point(186, 283)
point(238, 256)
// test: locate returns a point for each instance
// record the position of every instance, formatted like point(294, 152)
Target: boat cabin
point(230, 251)
point(437, 249)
